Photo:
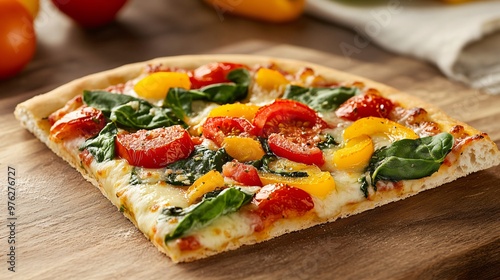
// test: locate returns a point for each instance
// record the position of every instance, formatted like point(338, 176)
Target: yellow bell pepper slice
point(270, 79)
point(318, 183)
point(236, 110)
point(243, 148)
point(206, 183)
point(373, 125)
point(156, 85)
point(355, 154)
point(266, 10)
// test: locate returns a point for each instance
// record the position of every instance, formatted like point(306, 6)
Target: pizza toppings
point(408, 159)
point(154, 148)
point(243, 149)
point(306, 177)
point(212, 206)
point(372, 126)
point(205, 184)
point(274, 158)
point(156, 85)
point(84, 122)
point(217, 128)
point(278, 201)
point(270, 79)
point(355, 154)
point(242, 173)
point(299, 149)
point(212, 73)
point(284, 116)
point(370, 104)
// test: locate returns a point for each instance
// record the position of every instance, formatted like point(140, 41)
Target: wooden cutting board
point(65, 229)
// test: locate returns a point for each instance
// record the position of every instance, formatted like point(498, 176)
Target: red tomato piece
point(216, 128)
point(90, 13)
point(70, 106)
point(188, 243)
point(296, 149)
point(212, 73)
point(370, 104)
point(17, 38)
point(154, 148)
point(278, 201)
point(282, 114)
point(84, 122)
point(242, 173)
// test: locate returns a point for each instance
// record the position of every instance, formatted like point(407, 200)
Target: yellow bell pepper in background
point(243, 148)
point(318, 183)
point(156, 85)
point(267, 10)
point(236, 110)
point(372, 125)
point(270, 79)
point(206, 183)
point(355, 154)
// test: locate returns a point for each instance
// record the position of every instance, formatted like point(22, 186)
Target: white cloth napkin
point(462, 40)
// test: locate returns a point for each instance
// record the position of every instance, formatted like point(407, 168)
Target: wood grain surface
point(65, 229)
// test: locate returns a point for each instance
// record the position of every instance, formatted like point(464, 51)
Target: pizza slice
point(205, 154)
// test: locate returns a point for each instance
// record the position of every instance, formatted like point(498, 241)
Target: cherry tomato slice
point(212, 73)
point(370, 104)
point(154, 148)
point(242, 173)
point(70, 106)
point(281, 114)
point(217, 128)
point(296, 149)
point(84, 122)
point(188, 243)
point(278, 201)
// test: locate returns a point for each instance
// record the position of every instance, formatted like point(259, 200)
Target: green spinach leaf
point(106, 101)
point(129, 111)
point(328, 142)
point(210, 208)
point(410, 159)
point(186, 171)
point(102, 147)
point(141, 114)
point(180, 100)
point(320, 99)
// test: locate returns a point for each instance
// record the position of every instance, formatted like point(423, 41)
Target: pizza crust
point(480, 154)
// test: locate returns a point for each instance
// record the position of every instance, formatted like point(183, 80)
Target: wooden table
point(65, 229)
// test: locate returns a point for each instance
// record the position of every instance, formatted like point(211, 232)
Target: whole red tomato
point(17, 38)
point(90, 13)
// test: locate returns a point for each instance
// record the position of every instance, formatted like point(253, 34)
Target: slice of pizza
point(205, 154)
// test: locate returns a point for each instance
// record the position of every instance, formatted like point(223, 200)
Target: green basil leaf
point(141, 114)
point(102, 147)
point(180, 100)
point(130, 111)
point(410, 159)
point(210, 208)
point(320, 99)
point(185, 172)
point(106, 101)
